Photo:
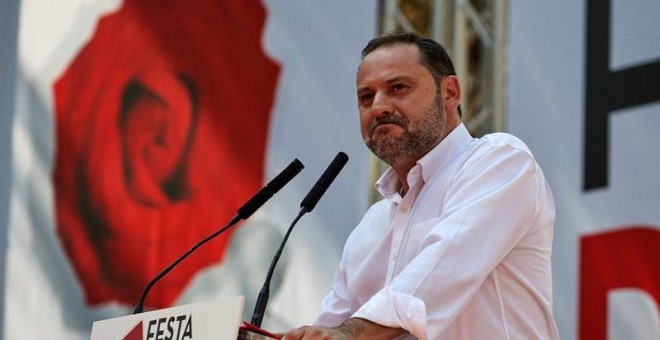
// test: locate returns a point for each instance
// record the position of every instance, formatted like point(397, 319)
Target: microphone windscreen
point(285, 176)
point(270, 189)
point(314, 195)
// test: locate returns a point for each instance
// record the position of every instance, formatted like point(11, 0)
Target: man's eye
point(398, 87)
point(366, 97)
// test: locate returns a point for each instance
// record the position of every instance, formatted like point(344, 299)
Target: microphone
point(270, 189)
point(307, 204)
point(314, 195)
point(243, 213)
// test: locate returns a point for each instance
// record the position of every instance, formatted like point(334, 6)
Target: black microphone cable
point(307, 204)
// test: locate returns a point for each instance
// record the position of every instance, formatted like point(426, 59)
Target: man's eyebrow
point(398, 79)
point(362, 89)
point(392, 80)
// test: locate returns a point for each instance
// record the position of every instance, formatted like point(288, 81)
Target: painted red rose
point(162, 120)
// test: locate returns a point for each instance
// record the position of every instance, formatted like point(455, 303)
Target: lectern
point(218, 320)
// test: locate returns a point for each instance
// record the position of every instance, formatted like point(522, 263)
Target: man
point(460, 246)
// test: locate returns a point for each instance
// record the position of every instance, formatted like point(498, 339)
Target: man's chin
point(387, 152)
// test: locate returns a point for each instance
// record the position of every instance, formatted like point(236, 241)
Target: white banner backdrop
point(578, 73)
point(316, 45)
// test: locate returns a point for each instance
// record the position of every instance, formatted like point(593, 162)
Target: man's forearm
point(357, 328)
point(353, 329)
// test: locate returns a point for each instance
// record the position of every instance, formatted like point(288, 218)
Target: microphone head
point(314, 195)
point(285, 176)
point(270, 189)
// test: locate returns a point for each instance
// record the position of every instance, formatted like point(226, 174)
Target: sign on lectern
point(218, 319)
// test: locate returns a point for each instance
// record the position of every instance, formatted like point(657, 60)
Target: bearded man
point(460, 245)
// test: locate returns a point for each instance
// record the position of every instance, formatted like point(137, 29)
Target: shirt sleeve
point(488, 207)
point(336, 305)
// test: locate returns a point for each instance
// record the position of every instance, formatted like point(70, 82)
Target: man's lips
point(383, 125)
point(386, 125)
point(383, 128)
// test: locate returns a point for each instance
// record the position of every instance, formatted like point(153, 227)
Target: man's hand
point(309, 332)
point(352, 328)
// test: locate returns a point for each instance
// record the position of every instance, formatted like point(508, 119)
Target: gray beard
point(417, 139)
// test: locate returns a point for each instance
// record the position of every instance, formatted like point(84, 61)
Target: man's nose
point(382, 105)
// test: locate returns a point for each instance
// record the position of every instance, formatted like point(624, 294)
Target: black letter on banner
point(188, 333)
point(150, 333)
point(608, 91)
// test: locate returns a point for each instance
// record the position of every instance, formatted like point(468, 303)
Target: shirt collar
point(452, 146)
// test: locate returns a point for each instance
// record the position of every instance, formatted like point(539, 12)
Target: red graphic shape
point(627, 258)
point(162, 120)
point(135, 333)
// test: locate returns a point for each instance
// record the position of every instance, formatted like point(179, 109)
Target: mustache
point(389, 119)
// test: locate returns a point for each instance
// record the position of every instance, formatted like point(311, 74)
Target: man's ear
point(450, 89)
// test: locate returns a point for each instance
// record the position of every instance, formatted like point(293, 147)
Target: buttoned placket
point(402, 222)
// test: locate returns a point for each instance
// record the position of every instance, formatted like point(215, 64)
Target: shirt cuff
point(396, 310)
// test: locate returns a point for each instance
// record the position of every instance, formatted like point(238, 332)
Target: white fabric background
point(314, 117)
point(546, 107)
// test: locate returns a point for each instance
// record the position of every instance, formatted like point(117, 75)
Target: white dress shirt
point(465, 254)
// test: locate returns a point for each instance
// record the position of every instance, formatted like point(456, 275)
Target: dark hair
point(433, 56)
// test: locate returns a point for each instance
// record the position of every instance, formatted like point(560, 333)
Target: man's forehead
point(409, 52)
point(388, 62)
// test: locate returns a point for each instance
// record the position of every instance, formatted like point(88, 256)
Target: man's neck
point(402, 171)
